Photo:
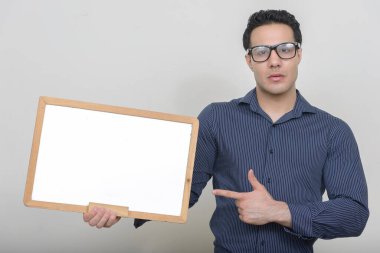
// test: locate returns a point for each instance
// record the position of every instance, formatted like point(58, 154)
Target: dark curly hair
point(265, 17)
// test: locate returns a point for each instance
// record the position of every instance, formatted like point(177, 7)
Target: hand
point(258, 207)
point(101, 217)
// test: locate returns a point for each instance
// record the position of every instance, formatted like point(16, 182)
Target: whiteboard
point(117, 156)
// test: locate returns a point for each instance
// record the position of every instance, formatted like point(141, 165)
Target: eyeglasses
point(286, 50)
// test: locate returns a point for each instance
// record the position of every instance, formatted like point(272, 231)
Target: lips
point(276, 77)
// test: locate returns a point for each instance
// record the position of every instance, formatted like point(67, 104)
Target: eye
point(260, 51)
point(285, 48)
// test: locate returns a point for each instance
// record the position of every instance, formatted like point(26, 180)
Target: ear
point(299, 55)
point(248, 60)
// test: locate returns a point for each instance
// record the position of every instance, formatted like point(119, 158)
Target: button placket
point(269, 161)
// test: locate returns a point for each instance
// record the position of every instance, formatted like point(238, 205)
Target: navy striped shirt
point(297, 158)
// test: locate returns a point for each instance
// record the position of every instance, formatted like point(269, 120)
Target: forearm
point(340, 217)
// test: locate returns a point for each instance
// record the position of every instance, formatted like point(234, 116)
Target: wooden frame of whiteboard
point(121, 210)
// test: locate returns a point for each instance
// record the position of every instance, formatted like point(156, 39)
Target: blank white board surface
point(142, 162)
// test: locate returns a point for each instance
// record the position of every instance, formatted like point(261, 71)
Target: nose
point(274, 60)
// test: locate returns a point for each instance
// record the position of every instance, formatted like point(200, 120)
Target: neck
point(276, 105)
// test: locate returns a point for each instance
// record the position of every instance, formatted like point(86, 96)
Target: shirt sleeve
point(204, 158)
point(346, 212)
point(205, 153)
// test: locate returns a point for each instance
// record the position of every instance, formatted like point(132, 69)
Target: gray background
point(173, 56)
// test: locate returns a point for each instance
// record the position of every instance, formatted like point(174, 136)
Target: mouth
point(276, 77)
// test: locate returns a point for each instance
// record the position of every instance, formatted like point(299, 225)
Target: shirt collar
point(301, 106)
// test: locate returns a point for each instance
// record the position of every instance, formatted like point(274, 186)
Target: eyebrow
point(263, 45)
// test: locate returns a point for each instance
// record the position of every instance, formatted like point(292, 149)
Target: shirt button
point(262, 243)
point(271, 151)
point(268, 180)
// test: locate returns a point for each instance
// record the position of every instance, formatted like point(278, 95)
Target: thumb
point(256, 185)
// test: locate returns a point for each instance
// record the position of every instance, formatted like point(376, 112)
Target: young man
point(272, 155)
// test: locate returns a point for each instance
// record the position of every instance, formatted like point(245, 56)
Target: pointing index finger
point(227, 194)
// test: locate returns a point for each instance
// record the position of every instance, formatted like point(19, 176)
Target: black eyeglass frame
point(297, 46)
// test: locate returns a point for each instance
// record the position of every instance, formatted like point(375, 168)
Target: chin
point(277, 89)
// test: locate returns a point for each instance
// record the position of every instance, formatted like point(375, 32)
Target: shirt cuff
point(302, 225)
point(139, 222)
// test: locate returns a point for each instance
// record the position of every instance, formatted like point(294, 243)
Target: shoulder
point(338, 129)
point(218, 108)
point(218, 114)
point(333, 121)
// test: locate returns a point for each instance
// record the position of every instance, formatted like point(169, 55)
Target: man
point(272, 155)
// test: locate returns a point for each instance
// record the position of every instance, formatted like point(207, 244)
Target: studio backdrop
point(172, 56)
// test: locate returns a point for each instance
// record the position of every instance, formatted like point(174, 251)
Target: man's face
point(275, 76)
